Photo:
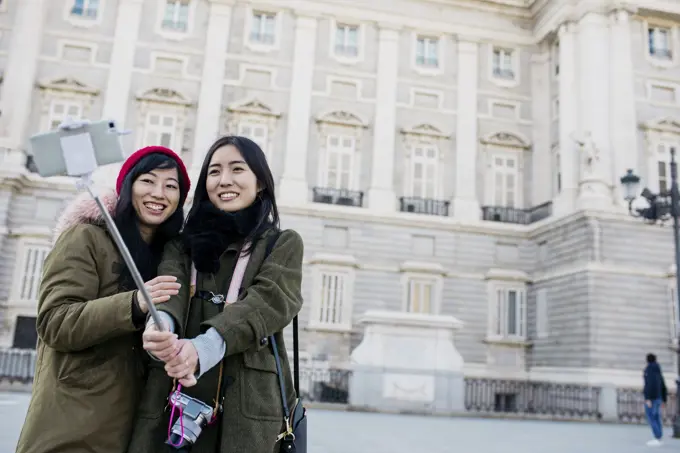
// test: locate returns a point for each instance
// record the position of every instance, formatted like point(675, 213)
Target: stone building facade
point(438, 156)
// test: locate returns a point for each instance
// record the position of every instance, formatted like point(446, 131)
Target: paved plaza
point(342, 432)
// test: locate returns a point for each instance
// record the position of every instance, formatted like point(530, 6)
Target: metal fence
point(568, 401)
point(631, 406)
point(17, 365)
point(483, 396)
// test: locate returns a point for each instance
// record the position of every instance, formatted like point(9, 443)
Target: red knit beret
point(135, 157)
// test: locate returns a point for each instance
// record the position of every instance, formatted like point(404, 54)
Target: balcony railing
point(424, 206)
point(342, 197)
point(515, 215)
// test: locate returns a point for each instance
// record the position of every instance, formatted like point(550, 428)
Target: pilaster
point(565, 202)
point(541, 158)
point(596, 179)
point(117, 94)
point(209, 109)
point(623, 126)
point(465, 203)
point(381, 196)
point(294, 187)
point(19, 76)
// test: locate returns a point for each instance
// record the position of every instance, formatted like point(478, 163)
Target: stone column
point(565, 202)
point(594, 113)
point(541, 158)
point(465, 203)
point(623, 125)
point(381, 196)
point(209, 109)
point(19, 76)
point(294, 188)
point(117, 94)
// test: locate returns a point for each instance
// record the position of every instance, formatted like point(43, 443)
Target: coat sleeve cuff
point(211, 349)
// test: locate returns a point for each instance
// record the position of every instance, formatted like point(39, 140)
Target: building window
point(509, 314)
point(423, 174)
point(176, 15)
point(663, 166)
point(60, 110)
point(160, 129)
point(556, 59)
point(427, 52)
point(255, 132)
point(85, 8)
point(30, 260)
point(503, 64)
point(504, 189)
point(338, 169)
point(332, 305)
point(660, 43)
point(542, 314)
point(557, 174)
point(421, 293)
point(263, 28)
point(346, 40)
point(25, 333)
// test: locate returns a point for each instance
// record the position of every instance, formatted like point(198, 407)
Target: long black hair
point(146, 256)
point(268, 215)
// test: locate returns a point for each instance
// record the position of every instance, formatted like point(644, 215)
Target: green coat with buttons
point(90, 367)
point(269, 299)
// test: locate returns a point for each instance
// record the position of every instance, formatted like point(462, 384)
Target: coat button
point(263, 341)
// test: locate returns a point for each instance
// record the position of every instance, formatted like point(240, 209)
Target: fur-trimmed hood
point(84, 210)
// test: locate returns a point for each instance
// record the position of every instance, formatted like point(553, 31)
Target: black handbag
point(294, 438)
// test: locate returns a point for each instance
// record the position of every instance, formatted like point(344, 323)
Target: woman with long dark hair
point(224, 359)
point(91, 367)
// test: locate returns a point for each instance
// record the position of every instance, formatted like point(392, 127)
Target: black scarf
point(209, 232)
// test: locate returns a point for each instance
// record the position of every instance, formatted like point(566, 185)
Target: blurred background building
point(455, 157)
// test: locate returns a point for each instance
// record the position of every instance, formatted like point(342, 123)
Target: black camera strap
point(277, 357)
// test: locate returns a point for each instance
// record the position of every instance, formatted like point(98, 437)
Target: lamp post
point(660, 210)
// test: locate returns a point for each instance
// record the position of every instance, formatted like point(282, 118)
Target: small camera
point(195, 416)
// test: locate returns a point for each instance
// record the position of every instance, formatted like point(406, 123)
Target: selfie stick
point(85, 182)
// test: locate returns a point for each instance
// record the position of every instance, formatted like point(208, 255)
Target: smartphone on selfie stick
point(76, 148)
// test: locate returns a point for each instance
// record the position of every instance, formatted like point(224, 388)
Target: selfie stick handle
point(86, 182)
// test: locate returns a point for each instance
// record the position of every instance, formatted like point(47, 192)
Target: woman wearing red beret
point(91, 366)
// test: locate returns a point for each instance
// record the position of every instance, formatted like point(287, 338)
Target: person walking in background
point(655, 394)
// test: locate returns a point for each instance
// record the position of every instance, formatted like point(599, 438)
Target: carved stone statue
point(590, 155)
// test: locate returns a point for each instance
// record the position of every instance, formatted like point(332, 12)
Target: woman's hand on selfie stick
point(184, 365)
point(163, 345)
point(160, 289)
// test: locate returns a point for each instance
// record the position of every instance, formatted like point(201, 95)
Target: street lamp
point(662, 206)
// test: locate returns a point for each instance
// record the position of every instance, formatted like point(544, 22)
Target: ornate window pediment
point(506, 140)
point(68, 84)
point(666, 125)
point(254, 119)
point(164, 96)
point(253, 107)
point(64, 97)
point(162, 118)
point(426, 131)
point(341, 118)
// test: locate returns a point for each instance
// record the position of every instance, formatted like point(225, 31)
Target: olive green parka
point(269, 299)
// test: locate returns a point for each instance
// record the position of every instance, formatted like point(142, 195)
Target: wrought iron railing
point(341, 197)
point(324, 385)
point(484, 395)
point(427, 206)
point(515, 215)
point(17, 365)
point(631, 406)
